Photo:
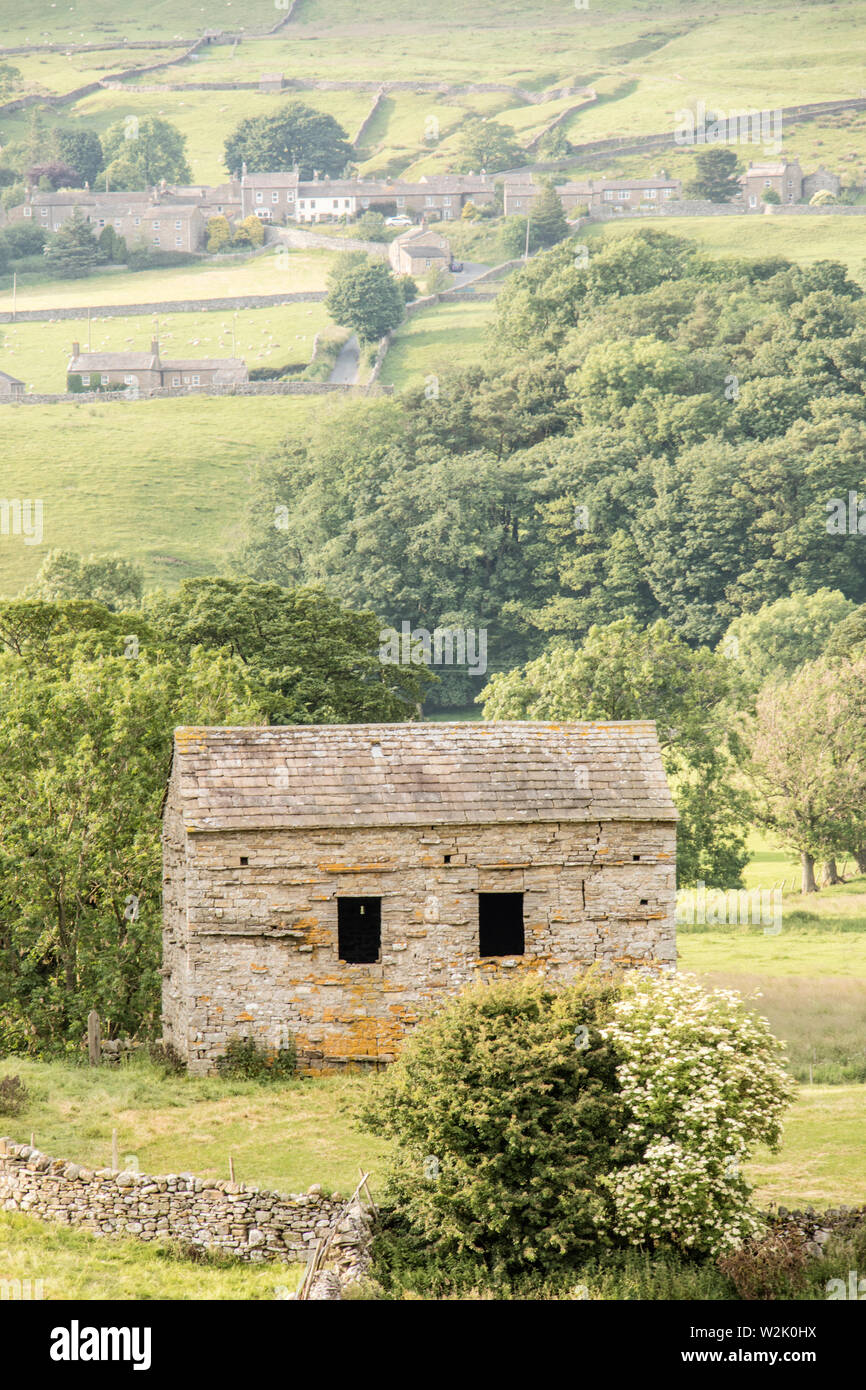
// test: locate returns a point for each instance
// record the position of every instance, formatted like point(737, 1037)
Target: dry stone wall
point(235, 1218)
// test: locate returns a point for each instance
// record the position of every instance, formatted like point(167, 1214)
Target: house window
point(290, 197)
point(155, 225)
point(430, 201)
point(156, 241)
point(365, 202)
point(336, 202)
point(104, 378)
point(401, 202)
point(219, 209)
point(259, 196)
point(500, 924)
point(117, 221)
point(651, 192)
point(624, 194)
point(85, 379)
point(427, 263)
point(608, 195)
point(129, 381)
point(301, 203)
point(28, 212)
point(446, 202)
point(753, 200)
point(359, 930)
point(178, 241)
point(669, 192)
point(45, 213)
point(136, 221)
point(275, 197)
point(347, 202)
point(175, 381)
point(766, 183)
point(178, 224)
point(196, 381)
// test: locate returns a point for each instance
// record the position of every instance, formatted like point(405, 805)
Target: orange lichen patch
point(304, 922)
point(203, 999)
point(260, 969)
point(244, 1018)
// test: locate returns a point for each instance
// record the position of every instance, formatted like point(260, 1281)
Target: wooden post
point(231, 1168)
point(114, 1162)
point(93, 1038)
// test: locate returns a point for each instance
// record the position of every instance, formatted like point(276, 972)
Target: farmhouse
point(147, 371)
point(598, 195)
point(418, 251)
point(153, 219)
point(334, 883)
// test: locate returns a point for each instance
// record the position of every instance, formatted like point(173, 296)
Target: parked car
point(456, 266)
point(401, 221)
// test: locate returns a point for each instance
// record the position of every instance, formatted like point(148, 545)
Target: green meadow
point(165, 482)
point(445, 335)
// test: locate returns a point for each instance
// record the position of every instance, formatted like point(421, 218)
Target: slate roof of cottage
point(344, 775)
point(12, 379)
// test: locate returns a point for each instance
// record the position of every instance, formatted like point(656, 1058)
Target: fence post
point(94, 1049)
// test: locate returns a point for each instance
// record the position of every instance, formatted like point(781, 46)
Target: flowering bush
point(704, 1082)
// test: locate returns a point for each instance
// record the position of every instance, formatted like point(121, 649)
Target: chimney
point(154, 346)
point(76, 349)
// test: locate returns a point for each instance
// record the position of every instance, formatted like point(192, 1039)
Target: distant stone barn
point(334, 884)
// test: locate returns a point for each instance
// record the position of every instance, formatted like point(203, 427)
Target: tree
point(140, 152)
point(624, 672)
point(781, 636)
point(807, 745)
point(770, 195)
point(10, 78)
point(79, 859)
point(219, 233)
point(715, 175)
point(82, 150)
point(55, 174)
point(296, 135)
point(308, 659)
point(73, 250)
point(110, 580)
point(487, 145)
point(371, 227)
point(250, 232)
point(505, 1113)
point(548, 223)
point(112, 245)
point(408, 288)
point(366, 298)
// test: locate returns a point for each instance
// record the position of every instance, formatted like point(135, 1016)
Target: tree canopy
point(296, 135)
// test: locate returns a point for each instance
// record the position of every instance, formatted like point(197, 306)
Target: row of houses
point(148, 371)
point(176, 218)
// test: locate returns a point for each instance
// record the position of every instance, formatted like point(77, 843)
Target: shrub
point(246, 1059)
point(166, 1056)
point(506, 1112)
point(14, 1095)
point(704, 1082)
point(772, 1267)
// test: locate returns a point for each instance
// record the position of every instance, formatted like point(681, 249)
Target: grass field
point(445, 335)
point(801, 239)
point(270, 272)
point(38, 352)
point(164, 482)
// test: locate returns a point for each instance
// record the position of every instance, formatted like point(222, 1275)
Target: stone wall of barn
point(259, 955)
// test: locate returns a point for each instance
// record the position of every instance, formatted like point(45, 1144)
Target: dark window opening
point(359, 930)
point(644, 902)
point(244, 859)
point(500, 924)
point(635, 856)
point(448, 859)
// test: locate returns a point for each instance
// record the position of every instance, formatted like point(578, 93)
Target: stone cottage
point(335, 883)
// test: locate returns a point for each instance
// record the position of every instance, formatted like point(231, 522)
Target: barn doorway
point(359, 930)
point(500, 924)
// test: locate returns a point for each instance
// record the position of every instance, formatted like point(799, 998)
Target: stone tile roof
point(113, 361)
point(418, 774)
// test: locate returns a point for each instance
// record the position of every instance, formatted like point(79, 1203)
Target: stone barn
point(335, 883)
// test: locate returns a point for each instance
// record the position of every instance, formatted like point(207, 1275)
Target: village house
point(146, 372)
point(786, 178)
point(10, 387)
point(284, 196)
point(143, 219)
point(598, 195)
point(418, 251)
point(334, 884)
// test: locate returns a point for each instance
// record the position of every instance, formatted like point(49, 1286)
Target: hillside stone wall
point(240, 1220)
point(168, 306)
